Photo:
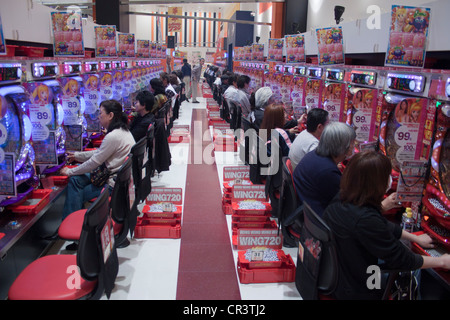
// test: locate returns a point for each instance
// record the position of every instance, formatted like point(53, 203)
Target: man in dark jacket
point(187, 72)
point(142, 116)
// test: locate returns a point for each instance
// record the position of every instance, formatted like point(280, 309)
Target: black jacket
point(139, 125)
point(363, 238)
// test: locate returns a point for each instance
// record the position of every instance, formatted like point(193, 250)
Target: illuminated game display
point(46, 114)
point(73, 104)
point(17, 156)
point(436, 202)
point(334, 93)
point(314, 87)
point(363, 94)
point(91, 94)
point(407, 120)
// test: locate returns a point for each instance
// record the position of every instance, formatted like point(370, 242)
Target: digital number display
point(366, 78)
point(333, 74)
point(315, 72)
point(406, 82)
point(10, 72)
point(42, 70)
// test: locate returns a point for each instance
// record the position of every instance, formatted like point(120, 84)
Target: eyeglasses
point(136, 102)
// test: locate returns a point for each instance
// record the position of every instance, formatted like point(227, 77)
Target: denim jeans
point(79, 190)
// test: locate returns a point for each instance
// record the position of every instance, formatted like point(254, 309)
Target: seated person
point(143, 116)
point(363, 236)
point(231, 93)
point(274, 119)
point(308, 139)
point(159, 92)
point(261, 99)
point(317, 176)
point(243, 83)
point(113, 151)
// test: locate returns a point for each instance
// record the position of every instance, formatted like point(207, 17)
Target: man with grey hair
point(196, 73)
point(317, 176)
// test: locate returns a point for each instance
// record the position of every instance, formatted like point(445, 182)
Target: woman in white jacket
point(113, 151)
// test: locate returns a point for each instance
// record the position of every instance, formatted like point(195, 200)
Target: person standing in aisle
point(196, 73)
point(186, 70)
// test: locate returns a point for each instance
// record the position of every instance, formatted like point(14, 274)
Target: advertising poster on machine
point(126, 45)
point(275, 50)
point(330, 43)
point(105, 41)
point(295, 48)
point(408, 36)
point(143, 48)
point(67, 34)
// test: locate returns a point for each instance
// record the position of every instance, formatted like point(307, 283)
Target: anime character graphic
point(414, 112)
point(336, 35)
point(420, 21)
point(92, 83)
point(41, 95)
point(106, 80)
point(396, 53)
point(71, 88)
point(358, 99)
point(401, 15)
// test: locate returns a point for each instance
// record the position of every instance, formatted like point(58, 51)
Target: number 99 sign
point(404, 136)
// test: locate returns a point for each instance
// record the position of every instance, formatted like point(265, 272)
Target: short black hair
point(146, 99)
point(242, 80)
point(315, 117)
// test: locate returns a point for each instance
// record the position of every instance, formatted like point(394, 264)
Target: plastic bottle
point(408, 221)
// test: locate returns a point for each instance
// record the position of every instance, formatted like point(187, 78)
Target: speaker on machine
point(171, 42)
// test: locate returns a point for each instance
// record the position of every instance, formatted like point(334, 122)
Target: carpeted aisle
point(206, 267)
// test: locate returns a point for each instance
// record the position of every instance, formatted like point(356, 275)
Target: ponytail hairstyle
point(120, 119)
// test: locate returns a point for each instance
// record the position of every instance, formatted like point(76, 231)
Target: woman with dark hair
point(274, 120)
point(158, 90)
point(363, 236)
point(113, 151)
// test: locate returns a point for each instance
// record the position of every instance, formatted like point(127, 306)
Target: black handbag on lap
point(100, 175)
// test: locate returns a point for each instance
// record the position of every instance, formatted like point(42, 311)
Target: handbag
point(100, 175)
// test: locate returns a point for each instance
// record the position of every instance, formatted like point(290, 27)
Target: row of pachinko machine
point(403, 113)
point(50, 106)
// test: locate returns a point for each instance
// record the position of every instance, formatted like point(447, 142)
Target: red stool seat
point(49, 278)
point(70, 228)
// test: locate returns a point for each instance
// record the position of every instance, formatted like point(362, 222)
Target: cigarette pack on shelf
point(145, 230)
point(285, 272)
point(33, 203)
point(179, 134)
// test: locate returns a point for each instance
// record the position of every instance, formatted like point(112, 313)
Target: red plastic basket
point(144, 230)
point(34, 203)
point(283, 273)
point(35, 52)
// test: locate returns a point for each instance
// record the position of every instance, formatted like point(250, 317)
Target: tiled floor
point(149, 268)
